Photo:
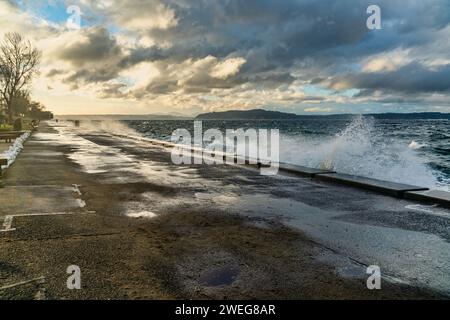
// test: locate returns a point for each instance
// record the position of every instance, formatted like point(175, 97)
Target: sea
point(406, 151)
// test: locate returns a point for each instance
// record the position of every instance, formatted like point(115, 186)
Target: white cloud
point(160, 17)
point(227, 68)
point(140, 75)
point(387, 61)
point(317, 109)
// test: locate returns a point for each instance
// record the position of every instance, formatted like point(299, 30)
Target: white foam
point(363, 150)
point(14, 150)
point(414, 145)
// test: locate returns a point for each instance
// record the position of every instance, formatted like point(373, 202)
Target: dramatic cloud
point(412, 78)
point(298, 55)
point(90, 46)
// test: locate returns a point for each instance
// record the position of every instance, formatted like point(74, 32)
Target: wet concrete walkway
point(141, 227)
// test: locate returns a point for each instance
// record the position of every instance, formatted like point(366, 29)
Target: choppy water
point(408, 151)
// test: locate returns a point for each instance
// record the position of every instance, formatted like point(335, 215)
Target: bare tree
point(18, 64)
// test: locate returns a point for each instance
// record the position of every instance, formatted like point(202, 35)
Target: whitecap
point(415, 145)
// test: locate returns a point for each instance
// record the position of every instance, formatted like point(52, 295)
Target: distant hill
point(261, 114)
point(255, 114)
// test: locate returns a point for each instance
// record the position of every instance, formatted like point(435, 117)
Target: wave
point(364, 150)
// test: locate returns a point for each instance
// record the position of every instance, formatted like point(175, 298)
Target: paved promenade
point(140, 227)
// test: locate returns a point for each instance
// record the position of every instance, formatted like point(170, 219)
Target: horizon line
point(299, 114)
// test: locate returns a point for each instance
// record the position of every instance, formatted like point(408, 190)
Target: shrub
point(5, 127)
point(18, 124)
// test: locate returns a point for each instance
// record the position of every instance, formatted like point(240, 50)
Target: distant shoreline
point(260, 114)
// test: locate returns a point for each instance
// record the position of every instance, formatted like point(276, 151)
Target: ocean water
point(407, 151)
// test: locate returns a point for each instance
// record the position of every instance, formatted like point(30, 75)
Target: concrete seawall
point(394, 189)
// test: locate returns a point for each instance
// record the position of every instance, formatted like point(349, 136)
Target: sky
point(187, 57)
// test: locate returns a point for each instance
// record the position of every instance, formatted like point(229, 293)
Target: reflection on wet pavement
point(222, 276)
point(351, 225)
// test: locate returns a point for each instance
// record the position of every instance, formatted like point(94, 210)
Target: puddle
point(354, 271)
point(220, 277)
point(395, 250)
point(428, 210)
point(219, 198)
point(260, 224)
point(42, 153)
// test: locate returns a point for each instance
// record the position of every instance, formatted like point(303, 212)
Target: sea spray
point(109, 126)
point(361, 149)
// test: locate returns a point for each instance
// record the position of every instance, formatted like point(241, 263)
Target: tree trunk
point(9, 110)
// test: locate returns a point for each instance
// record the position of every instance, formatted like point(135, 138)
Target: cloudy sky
point(186, 57)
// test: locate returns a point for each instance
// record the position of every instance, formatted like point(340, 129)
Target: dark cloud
point(321, 43)
point(94, 75)
point(411, 78)
point(95, 55)
point(113, 90)
point(161, 87)
point(95, 45)
point(55, 72)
